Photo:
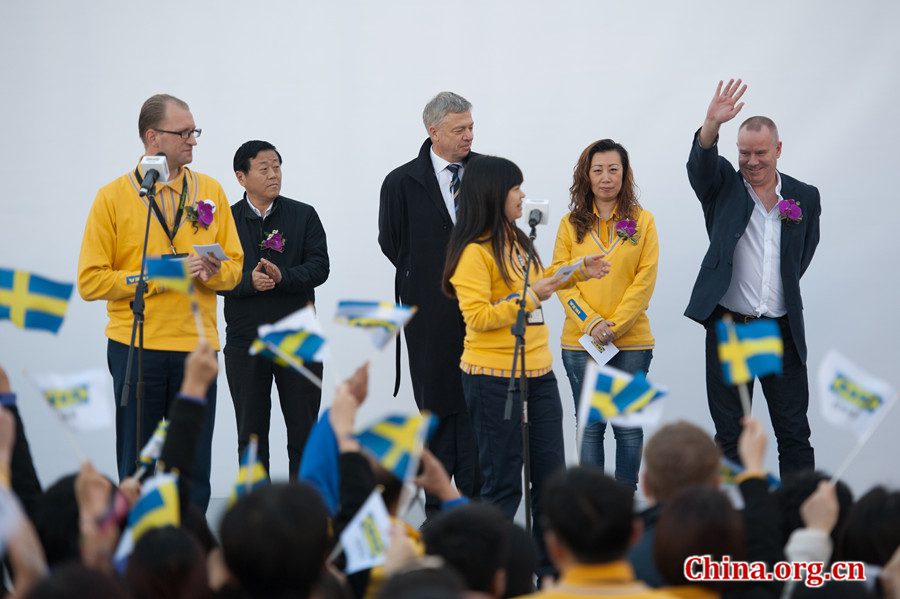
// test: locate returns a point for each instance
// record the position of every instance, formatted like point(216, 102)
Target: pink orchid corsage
point(274, 241)
point(790, 211)
point(627, 229)
point(201, 215)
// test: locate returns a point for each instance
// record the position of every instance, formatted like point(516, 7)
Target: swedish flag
point(397, 442)
point(171, 274)
point(729, 471)
point(158, 506)
point(296, 346)
point(749, 350)
point(152, 450)
point(251, 475)
point(384, 319)
point(31, 301)
point(616, 393)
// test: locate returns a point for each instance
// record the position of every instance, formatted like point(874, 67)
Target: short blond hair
point(153, 112)
point(678, 456)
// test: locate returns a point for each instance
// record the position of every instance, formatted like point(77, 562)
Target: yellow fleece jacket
point(623, 295)
point(110, 259)
point(489, 306)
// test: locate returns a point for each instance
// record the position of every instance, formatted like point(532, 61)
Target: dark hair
point(168, 563)
point(795, 489)
point(250, 150)
point(871, 532)
point(56, 522)
point(698, 521)
point(194, 521)
point(424, 583)
point(482, 216)
point(521, 561)
point(274, 540)
point(472, 539)
point(581, 196)
point(153, 112)
point(677, 456)
point(590, 513)
point(77, 580)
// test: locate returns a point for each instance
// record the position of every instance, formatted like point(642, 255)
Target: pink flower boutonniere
point(627, 229)
point(201, 215)
point(790, 211)
point(274, 241)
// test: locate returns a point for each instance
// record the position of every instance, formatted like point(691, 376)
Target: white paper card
point(601, 353)
point(213, 248)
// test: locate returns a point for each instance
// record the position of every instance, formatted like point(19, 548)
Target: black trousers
point(787, 397)
point(250, 382)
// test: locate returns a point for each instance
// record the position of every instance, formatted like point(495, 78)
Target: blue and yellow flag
point(383, 319)
point(397, 442)
point(729, 471)
point(171, 274)
point(152, 450)
point(33, 302)
point(289, 348)
point(613, 394)
point(749, 350)
point(158, 506)
point(251, 474)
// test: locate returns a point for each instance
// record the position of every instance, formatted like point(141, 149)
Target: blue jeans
point(163, 371)
point(629, 440)
point(500, 442)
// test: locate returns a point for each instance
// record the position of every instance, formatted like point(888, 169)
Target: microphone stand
point(137, 327)
point(518, 330)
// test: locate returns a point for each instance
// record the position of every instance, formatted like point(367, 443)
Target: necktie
point(454, 184)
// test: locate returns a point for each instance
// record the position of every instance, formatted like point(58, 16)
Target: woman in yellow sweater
point(486, 258)
point(606, 217)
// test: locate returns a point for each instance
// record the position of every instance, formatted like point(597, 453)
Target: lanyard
point(162, 221)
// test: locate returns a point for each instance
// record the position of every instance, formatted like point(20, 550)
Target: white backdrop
point(339, 88)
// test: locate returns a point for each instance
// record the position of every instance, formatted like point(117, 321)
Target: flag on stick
point(749, 350)
point(251, 474)
point(383, 319)
point(293, 341)
point(152, 450)
point(82, 399)
point(174, 275)
point(366, 537)
point(613, 395)
point(397, 442)
point(850, 397)
point(157, 506)
point(729, 471)
point(30, 301)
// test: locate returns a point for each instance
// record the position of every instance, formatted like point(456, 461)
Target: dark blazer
point(727, 206)
point(413, 231)
point(304, 266)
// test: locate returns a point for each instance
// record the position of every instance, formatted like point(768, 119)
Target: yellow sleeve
point(473, 282)
point(574, 305)
point(637, 296)
point(230, 272)
point(97, 280)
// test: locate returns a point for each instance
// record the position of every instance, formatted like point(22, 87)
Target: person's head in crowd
point(331, 586)
point(424, 579)
point(275, 540)
point(699, 520)
point(795, 489)
point(168, 563)
point(871, 531)
point(257, 166)
point(490, 201)
point(448, 119)
point(75, 580)
point(56, 521)
point(472, 539)
point(521, 561)
point(679, 455)
point(588, 517)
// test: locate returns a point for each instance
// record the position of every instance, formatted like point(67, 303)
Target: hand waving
point(724, 106)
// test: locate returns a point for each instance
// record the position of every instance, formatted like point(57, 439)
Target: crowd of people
point(448, 224)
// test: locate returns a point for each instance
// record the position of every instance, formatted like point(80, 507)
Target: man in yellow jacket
point(191, 208)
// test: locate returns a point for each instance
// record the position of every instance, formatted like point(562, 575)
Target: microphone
point(155, 168)
point(538, 212)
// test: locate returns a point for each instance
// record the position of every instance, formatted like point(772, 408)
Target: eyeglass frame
point(185, 135)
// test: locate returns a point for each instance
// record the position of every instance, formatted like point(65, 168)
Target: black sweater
point(303, 264)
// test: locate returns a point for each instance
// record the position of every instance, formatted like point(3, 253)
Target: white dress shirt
point(256, 210)
point(756, 288)
point(444, 176)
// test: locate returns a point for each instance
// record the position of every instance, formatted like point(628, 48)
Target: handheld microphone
point(538, 212)
point(155, 168)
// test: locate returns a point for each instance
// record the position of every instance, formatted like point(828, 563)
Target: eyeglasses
point(195, 133)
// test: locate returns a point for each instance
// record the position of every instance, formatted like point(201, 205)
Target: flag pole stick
point(195, 308)
point(862, 441)
point(292, 362)
point(253, 449)
point(745, 398)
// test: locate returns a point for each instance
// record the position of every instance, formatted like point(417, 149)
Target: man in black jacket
point(286, 258)
point(416, 215)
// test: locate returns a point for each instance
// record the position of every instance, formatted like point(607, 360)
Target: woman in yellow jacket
point(606, 217)
point(486, 258)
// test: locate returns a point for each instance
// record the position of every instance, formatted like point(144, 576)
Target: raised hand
point(596, 266)
point(722, 108)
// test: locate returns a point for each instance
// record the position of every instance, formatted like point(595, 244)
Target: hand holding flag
point(397, 442)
